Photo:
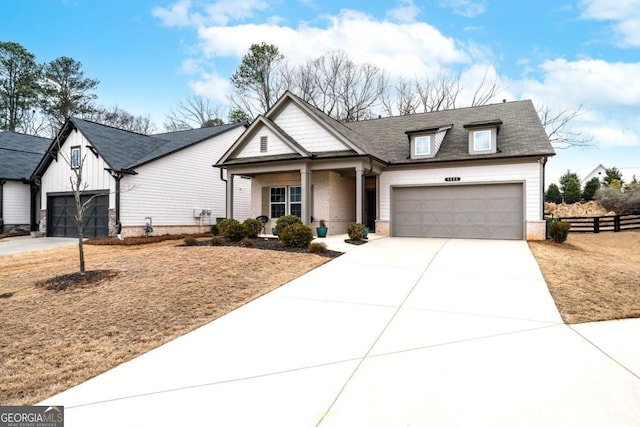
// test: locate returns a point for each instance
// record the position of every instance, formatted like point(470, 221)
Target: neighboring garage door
point(61, 211)
point(490, 211)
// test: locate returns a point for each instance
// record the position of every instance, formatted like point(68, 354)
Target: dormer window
point(483, 136)
point(423, 145)
point(482, 140)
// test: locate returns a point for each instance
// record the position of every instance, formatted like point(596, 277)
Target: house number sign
point(452, 178)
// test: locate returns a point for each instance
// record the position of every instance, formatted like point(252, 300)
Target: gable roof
point(387, 139)
point(123, 150)
point(20, 154)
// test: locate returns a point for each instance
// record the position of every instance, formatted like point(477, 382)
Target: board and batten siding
point(528, 172)
point(306, 131)
point(170, 188)
point(274, 145)
point(94, 176)
point(16, 199)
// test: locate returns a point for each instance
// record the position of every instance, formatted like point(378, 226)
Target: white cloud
point(220, 12)
point(406, 12)
point(625, 15)
point(609, 93)
point(466, 8)
point(213, 86)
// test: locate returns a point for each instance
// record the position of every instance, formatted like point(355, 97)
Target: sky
point(567, 54)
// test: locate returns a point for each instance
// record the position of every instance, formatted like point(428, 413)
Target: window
point(482, 140)
point(280, 204)
point(295, 201)
point(75, 157)
point(278, 201)
point(423, 145)
point(263, 144)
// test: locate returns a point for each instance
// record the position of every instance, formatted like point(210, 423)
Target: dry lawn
point(52, 340)
point(593, 276)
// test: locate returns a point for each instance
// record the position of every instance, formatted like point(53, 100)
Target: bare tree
point(487, 89)
point(556, 125)
point(117, 117)
point(195, 111)
point(440, 93)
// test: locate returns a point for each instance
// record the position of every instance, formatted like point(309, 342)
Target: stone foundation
point(43, 221)
point(159, 230)
point(382, 228)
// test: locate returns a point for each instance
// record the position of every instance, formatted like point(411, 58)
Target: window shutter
point(265, 202)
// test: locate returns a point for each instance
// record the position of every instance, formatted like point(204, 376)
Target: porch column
point(359, 194)
point(305, 190)
point(230, 177)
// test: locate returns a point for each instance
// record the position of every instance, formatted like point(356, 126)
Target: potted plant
point(322, 229)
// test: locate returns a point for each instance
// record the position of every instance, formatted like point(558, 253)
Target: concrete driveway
point(20, 244)
point(397, 332)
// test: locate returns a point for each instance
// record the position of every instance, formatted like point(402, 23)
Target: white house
point(167, 180)
point(19, 156)
point(469, 173)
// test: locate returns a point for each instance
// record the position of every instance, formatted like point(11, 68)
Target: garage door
point(61, 211)
point(492, 211)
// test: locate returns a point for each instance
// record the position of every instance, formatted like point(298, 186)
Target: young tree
point(553, 194)
point(19, 75)
point(195, 111)
point(590, 188)
point(66, 91)
point(611, 175)
point(257, 80)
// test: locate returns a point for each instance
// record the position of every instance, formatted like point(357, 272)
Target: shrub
point(253, 226)
point(285, 221)
point(558, 230)
point(234, 231)
point(190, 241)
point(613, 199)
point(317, 247)
point(216, 241)
point(355, 230)
point(246, 242)
point(296, 236)
point(222, 225)
point(215, 230)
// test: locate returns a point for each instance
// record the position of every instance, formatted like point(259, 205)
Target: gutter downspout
point(226, 191)
point(118, 176)
point(35, 188)
point(2, 183)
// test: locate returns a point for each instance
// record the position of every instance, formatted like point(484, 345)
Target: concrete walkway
point(21, 244)
point(396, 332)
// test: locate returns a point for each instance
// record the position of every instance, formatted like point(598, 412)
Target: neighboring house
point(19, 156)
point(587, 174)
point(628, 174)
point(131, 179)
point(469, 173)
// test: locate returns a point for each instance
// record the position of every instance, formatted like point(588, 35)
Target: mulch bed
point(269, 244)
point(76, 280)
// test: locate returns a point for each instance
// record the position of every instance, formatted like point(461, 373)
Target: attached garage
point(61, 213)
point(483, 211)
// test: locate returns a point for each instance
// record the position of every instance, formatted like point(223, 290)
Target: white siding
point(242, 198)
point(95, 177)
point(529, 173)
point(16, 201)
point(274, 145)
point(307, 132)
point(170, 188)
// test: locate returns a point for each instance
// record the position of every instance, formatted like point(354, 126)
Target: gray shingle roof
point(20, 154)
point(124, 150)
point(521, 133)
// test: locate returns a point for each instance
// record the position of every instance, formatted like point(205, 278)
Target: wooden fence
point(596, 224)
